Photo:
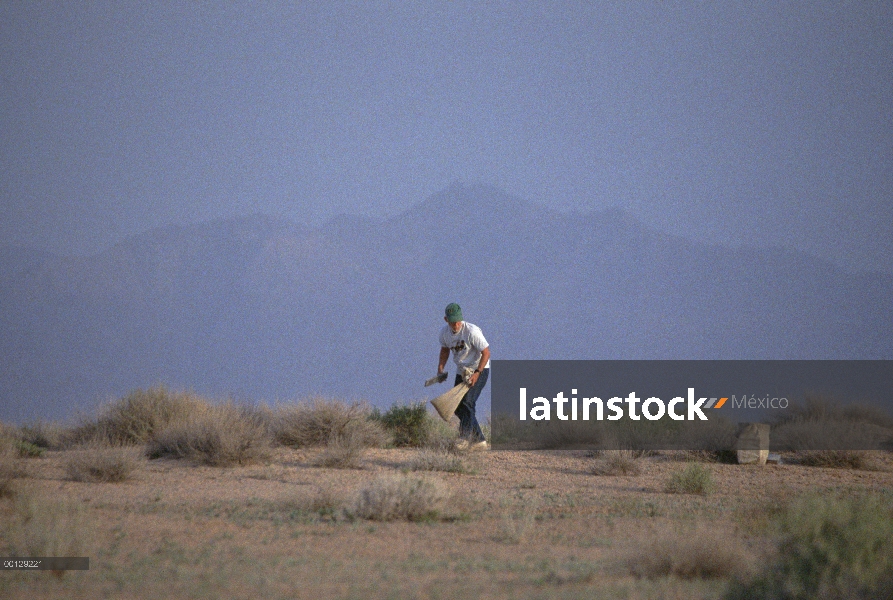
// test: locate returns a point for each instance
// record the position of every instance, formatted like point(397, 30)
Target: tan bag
point(447, 403)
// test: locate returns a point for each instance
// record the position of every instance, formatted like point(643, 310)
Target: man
point(470, 349)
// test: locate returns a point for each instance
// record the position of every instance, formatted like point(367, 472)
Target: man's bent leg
point(469, 428)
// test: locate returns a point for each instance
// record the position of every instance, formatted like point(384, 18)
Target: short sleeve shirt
point(466, 345)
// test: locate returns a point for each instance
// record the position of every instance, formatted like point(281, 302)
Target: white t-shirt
point(466, 345)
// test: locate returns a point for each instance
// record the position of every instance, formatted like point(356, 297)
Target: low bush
point(138, 416)
point(219, 435)
point(704, 553)
point(839, 459)
point(437, 460)
point(835, 547)
point(693, 479)
point(44, 435)
point(409, 425)
point(342, 451)
point(401, 498)
point(617, 462)
point(316, 422)
point(102, 464)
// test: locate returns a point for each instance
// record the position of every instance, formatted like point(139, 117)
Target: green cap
point(453, 313)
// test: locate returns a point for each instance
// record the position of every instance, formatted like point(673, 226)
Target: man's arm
point(441, 363)
point(485, 356)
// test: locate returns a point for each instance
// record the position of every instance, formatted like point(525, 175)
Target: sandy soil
point(521, 524)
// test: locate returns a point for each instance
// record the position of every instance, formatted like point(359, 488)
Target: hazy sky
point(729, 122)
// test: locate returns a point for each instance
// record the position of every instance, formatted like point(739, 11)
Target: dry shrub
point(217, 435)
point(839, 459)
point(138, 416)
point(437, 460)
point(102, 464)
point(824, 424)
point(401, 498)
point(342, 452)
point(693, 479)
point(617, 462)
point(705, 553)
point(317, 422)
point(11, 466)
point(41, 526)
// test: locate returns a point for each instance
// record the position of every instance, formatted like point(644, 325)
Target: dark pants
point(469, 428)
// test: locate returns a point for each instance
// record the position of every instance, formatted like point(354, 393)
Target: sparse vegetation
point(693, 479)
point(101, 463)
point(617, 462)
point(401, 498)
point(220, 435)
point(839, 459)
point(704, 553)
point(438, 460)
point(41, 526)
point(834, 547)
point(43, 435)
point(516, 519)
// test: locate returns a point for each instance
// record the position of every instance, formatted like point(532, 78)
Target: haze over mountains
point(262, 308)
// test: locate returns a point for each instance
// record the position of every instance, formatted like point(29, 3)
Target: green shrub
point(693, 479)
point(829, 547)
point(409, 424)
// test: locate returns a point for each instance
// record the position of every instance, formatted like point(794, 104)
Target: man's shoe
point(481, 446)
point(462, 445)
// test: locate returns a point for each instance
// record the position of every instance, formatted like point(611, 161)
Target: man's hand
point(473, 379)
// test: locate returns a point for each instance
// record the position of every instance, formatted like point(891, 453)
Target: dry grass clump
point(217, 435)
point(516, 520)
point(437, 460)
point(342, 451)
point(317, 422)
point(102, 464)
point(401, 498)
point(138, 416)
point(704, 553)
point(12, 467)
point(617, 462)
point(823, 424)
point(693, 479)
point(839, 459)
point(41, 526)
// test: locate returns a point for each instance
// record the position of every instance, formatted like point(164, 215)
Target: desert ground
point(501, 524)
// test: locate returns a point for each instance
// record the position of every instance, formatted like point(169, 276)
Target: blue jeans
point(469, 428)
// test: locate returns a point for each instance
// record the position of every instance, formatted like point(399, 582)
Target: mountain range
point(261, 308)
